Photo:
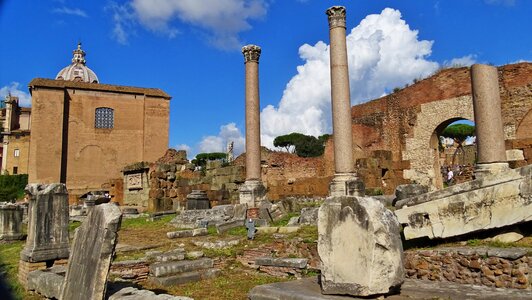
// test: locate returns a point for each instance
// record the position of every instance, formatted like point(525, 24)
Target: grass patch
point(9, 259)
point(145, 223)
point(284, 220)
point(229, 285)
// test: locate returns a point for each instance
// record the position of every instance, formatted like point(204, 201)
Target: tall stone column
point(491, 151)
point(345, 181)
point(252, 191)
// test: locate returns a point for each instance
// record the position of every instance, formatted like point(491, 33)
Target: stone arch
point(434, 145)
point(524, 129)
point(421, 145)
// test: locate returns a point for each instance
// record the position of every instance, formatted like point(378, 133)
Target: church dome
point(77, 70)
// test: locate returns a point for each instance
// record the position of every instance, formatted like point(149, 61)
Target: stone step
point(187, 233)
point(185, 277)
point(175, 267)
point(299, 263)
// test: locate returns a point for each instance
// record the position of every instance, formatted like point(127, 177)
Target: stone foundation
point(25, 267)
point(502, 268)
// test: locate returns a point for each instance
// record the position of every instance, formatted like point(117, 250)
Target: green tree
point(202, 158)
point(309, 146)
point(288, 141)
point(459, 133)
point(302, 145)
point(12, 187)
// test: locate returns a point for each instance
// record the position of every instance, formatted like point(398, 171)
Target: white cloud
point(24, 98)
point(383, 53)
point(123, 19)
point(464, 61)
point(71, 11)
point(228, 133)
point(223, 20)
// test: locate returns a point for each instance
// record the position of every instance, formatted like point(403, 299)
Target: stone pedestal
point(346, 185)
point(491, 151)
point(48, 223)
point(11, 216)
point(360, 247)
point(481, 170)
point(345, 181)
point(198, 199)
point(92, 251)
point(252, 192)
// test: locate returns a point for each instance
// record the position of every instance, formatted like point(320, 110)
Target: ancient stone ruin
point(92, 251)
point(47, 242)
point(11, 216)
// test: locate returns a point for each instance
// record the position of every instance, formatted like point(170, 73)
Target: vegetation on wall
point(301, 144)
point(202, 158)
point(12, 187)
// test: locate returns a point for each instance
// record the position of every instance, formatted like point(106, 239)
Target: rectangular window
point(17, 152)
point(15, 170)
point(104, 117)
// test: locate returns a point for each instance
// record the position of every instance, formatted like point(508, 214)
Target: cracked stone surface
point(491, 202)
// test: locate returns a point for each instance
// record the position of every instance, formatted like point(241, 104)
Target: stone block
point(187, 233)
point(171, 268)
point(47, 284)
point(267, 229)
point(48, 223)
point(358, 233)
point(491, 202)
point(251, 193)
point(11, 216)
point(173, 255)
point(404, 191)
point(309, 216)
point(288, 229)
point(131, 293)
point(299, 263)
point(514, 154)
point(293, 221)
point(223, 227)
point(92, 251)
point(198, 199)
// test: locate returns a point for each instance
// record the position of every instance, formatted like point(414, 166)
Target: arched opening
point(453, 146)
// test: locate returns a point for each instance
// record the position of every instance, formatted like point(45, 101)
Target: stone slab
point(91, 254)
point(491, 202)
point(299, 263)
point(131, 293)
point(288, 229)
point(187, 233)
point(223, 227)
point(359, 233)
point(47, 284)
point(309, 289)
point(171, 268)
point(185, 277)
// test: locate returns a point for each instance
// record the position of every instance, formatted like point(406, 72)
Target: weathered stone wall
point(502, 268)
point(404, 123)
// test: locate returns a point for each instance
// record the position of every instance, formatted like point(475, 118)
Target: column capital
point(336, 16)
point(251, 53)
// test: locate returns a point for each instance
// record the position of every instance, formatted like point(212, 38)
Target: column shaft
point(488, 116)
point(253, 171)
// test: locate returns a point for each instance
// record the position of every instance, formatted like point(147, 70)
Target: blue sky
point(191, 50)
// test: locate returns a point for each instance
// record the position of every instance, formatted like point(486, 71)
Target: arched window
point(104, 117)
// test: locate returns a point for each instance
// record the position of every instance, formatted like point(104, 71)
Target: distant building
point(84, 132)
point(16, 125)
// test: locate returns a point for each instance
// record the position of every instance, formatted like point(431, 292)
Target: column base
point(252, 192)
point(32, 254)
point(346, 184)
point(482, 170)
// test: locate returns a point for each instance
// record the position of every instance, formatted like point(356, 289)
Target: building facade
point(16, 125)
point(84, 132)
